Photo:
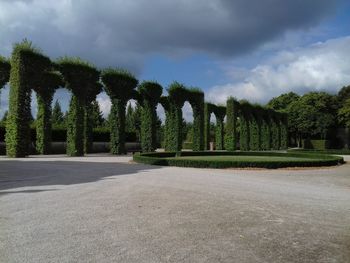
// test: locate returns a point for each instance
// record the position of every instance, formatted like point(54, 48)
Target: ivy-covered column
point(150, 93)
point(255, 130)
point(120, 86)
point(220, 112)
point(50, 82)
point(27, 67)
point(231, 124)
point(93, 90)
point(78, 76)
point(196, 99)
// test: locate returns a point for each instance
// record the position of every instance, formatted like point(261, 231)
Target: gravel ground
point(105, 209)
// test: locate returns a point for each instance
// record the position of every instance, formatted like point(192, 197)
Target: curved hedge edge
point(167, 159)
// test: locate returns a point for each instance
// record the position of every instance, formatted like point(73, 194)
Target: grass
point(250, 158)
point(329, 151)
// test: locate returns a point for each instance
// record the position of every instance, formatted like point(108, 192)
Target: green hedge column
point(220, 113)
point(150, 93)
point(120, 86)
point(284, 131)
point(196, 99)
point(45, 92)
point(275, 132)
point(255, 129)
point(244, 118)
point(93, 90)
point(78, 76)
point(27, 67)
point(231, 124)
point(265, 133)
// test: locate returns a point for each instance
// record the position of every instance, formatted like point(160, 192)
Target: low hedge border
point(329, 151)
point(168, 159)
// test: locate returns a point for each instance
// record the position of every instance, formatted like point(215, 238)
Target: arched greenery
point(255, 128)
point(208, 110)
point(284, 130)
point(231, 138)
point(265, 132)
point(120, 86)
point(78, 75)
point(196, 99)
point(150, 93)
point(50, 82)
point(28, 65)
point(275, 131)
point(93, 90)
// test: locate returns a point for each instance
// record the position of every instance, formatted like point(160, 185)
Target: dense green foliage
point(50, 82)
point(80, 77)
point(57, 116)
point(244, 117)
point(120, 86)
point(27, 67)
point(344, 113)
point(237, 159)
point(232, 107)
point(255, 128)
point(150, 93)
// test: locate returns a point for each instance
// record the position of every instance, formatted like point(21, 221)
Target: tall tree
point(57, 114)
point(97, 115)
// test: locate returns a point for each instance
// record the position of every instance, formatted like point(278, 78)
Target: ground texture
point(105, 209)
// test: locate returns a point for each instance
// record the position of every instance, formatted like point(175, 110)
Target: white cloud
point(320, 66)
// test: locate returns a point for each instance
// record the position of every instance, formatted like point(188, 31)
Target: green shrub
point(244, 117)
point(220, 112)
point(150, 93)
point(27, 68)
point(120, 86)
point(5, 68)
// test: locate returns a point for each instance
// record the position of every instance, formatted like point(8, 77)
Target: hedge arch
point(44, 92)
point(255, 128)
point(231, 138)
point(120, 86)
point(93, 90)
point(27, 67)
point(196, 99)
point(265, 131)
point(78, 76)
point(149, 96)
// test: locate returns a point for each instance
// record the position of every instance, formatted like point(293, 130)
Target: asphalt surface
point(105, 209)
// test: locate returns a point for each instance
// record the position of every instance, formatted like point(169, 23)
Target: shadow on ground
point(15, 174)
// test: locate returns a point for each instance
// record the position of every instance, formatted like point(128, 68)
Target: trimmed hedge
point(244, 117)
point(316, 144)
point(27, 68)
point(120, 86)
point(220, 112)
point(169, 159)
point(5, 68)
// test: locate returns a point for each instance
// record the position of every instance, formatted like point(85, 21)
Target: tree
point(343, 95)
point(4, 118)
point(282, 102)
point(344, 113)
point(57, 115)
point(97, 115)
point(130, 119)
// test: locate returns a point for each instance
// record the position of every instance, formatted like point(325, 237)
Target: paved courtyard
point(106, 209)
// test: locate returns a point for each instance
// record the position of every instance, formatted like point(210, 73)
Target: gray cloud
point(124, 33)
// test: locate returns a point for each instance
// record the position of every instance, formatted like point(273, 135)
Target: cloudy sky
point(252, 49)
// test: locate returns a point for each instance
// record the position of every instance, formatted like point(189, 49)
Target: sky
point(248, 49)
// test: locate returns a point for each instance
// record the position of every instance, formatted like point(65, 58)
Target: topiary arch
point(78, 75)
point(120, 86)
